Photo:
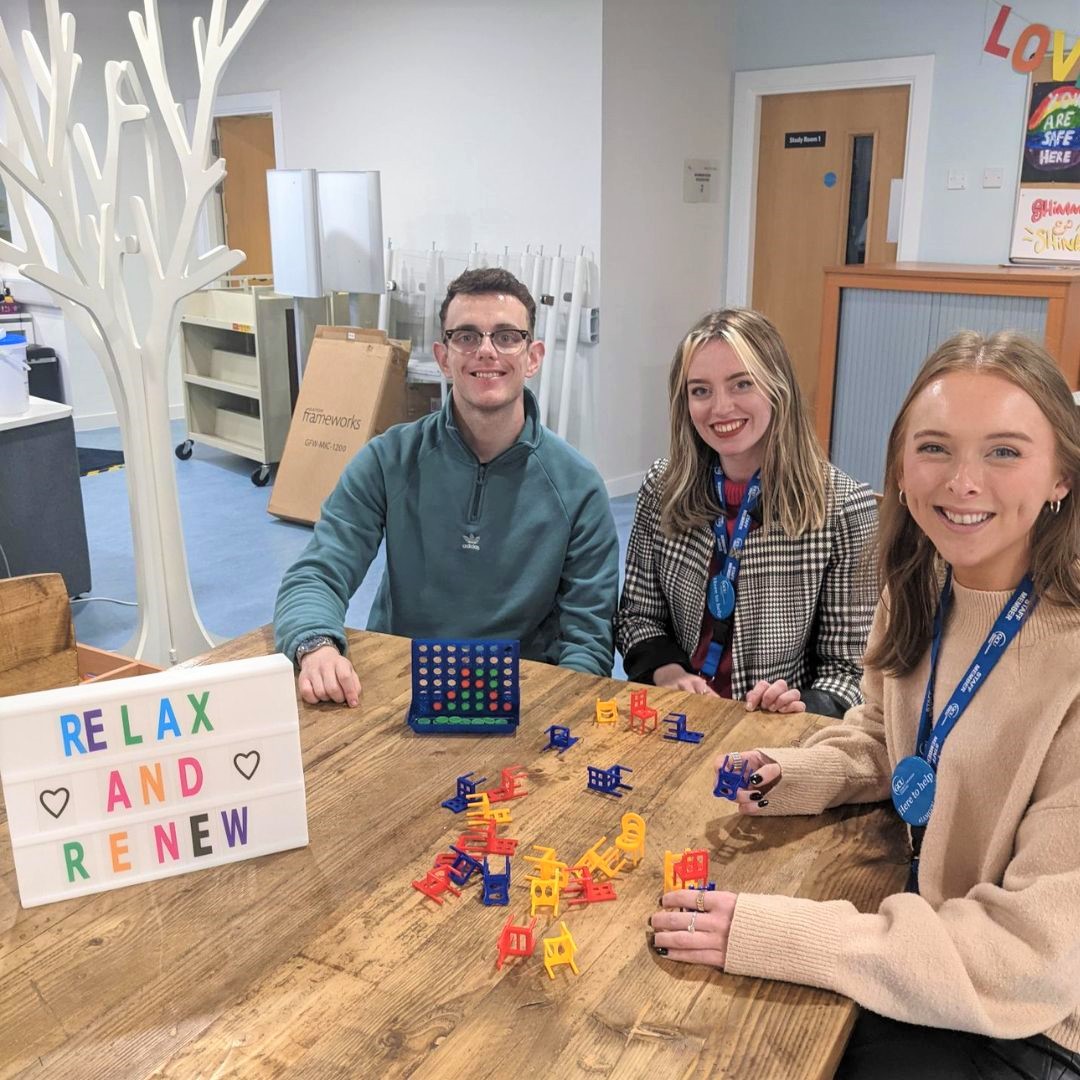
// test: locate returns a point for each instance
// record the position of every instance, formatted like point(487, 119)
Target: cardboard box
point(353, 390)
point(98, 665)
point(421, 399)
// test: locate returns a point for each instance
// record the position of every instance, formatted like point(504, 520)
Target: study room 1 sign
point(123, 782)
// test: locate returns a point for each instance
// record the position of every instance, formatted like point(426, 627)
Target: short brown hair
point(908, 564)
point(487, 280)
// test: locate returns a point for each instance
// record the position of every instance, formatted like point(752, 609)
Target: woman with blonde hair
point(744, 565)
point(971, 725)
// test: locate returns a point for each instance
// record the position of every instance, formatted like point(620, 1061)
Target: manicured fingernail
point(756, 795)
point(649, 924)
point(756, 778)
point(659, 951)
point(661, 900)
point(764, 802)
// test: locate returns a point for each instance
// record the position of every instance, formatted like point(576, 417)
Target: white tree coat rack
point(37, 162)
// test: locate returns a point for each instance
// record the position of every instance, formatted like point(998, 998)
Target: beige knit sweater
point(992, 943)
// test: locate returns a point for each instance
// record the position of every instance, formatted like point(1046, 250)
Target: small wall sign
point(699, 180)
point(122, 782)
point(798, 140)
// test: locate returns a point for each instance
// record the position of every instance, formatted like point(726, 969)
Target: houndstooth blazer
point(804, 608)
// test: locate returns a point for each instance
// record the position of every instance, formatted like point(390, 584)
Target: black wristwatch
point(310, 644)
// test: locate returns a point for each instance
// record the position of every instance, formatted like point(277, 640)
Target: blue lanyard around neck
point(1007, 625)
point(915, 778)
point(721, 589)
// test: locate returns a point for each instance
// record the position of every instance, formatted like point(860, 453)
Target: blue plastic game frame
point(465, 686)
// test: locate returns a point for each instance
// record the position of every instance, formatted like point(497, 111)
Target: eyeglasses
point(506, 341)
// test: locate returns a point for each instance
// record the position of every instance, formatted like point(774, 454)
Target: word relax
point(86, 733)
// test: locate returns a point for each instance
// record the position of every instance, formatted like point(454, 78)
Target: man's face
point(485, 378)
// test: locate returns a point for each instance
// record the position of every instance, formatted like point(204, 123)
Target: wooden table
point(324, 961)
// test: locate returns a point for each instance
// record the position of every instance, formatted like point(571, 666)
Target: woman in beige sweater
point(975, 970)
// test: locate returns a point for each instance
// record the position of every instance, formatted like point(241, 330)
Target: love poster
point(122, 782)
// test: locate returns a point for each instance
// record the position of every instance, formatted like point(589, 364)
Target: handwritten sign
point(128, 781)
point(1047, 225)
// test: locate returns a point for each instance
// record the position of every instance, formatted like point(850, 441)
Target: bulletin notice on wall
point(1046, 225)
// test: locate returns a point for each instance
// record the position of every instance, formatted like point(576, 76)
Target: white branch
point(16, 199)
point(19, 103)
point(152, 151)
point(215, 263)
point(241, 25)
point(67, 287)
point(152, 50)
point(198, 189)
point(144, 230)
point(19, 173)
point(10, 253)
point(85, 150)
point(63, 73)
point(216, 30)
point(198, 30)
point(106, 239)
point(69, 169)
point(36, 62)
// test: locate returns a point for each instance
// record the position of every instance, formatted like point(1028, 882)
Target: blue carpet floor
point(237, 552)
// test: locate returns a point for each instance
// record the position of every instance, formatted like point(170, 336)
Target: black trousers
point(882, 1049)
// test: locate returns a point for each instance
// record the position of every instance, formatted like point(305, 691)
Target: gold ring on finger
point(700, 902)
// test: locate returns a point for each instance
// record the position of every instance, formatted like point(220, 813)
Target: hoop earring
point(1055, 506)
point(903, 498)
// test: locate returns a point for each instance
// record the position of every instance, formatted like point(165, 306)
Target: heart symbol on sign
point(55, 801)
point(246, 764)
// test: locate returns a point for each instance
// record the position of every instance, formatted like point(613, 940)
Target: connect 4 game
point(464, 686)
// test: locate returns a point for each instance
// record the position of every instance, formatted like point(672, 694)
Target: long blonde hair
point(794, 470)
point(908, 563)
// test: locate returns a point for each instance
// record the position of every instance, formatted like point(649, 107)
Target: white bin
point(14, 376)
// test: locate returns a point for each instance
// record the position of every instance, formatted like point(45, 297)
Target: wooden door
point(825, 164)
point(247, 145)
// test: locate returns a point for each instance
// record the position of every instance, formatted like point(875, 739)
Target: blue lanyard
point(721, 590)
point(915, 778)
point(1006, 627)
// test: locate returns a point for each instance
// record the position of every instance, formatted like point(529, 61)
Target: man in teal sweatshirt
point(495, 527)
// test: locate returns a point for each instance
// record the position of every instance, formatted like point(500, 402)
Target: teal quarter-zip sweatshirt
point(522, 547)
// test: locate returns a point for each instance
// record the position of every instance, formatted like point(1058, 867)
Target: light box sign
point(122, 782)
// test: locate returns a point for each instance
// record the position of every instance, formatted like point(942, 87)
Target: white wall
point(667, 97)
point(482, 116)
point(977, 111)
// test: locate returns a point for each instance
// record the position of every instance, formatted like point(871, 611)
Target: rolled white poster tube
point(536, 275)
point(570, 355)
point(430, 288)
point(384, 299)
point(551, 330)
point(525, 265)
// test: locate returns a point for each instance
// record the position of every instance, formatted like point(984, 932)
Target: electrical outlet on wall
point(956, 180)
point(993, 178)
